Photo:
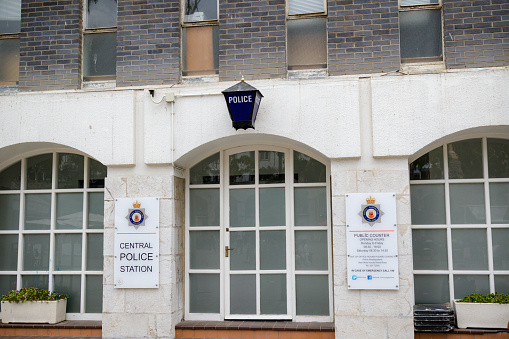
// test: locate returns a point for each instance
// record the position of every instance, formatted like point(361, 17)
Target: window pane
point(204, 249)
point(39, 171)
point(272, 206)
point(7, 284)
point(67, 252)
point(243, 255)
point(502, 284)
point(272, 250)
point(204, 207)
point(306, 43)
point(418, 2)
point(36, 252)
point(421, 33)
point(69, 211)
point(500, 239)
point(70, 170)
point(9, 209)
point(37, 211)
point(39, 281)
point(305, 6)
point(311, 250)
point(242, 207)
point(9, 252)
point(243, 294)
point(431, 289)
point(200, 46)
point(96, 174)
point(206, 171)
point(94, 294)
point(101, 13)
point(467, 204)
point(204, 293)
point(428, 204)
point(10, 178)
point(99, 54)
point(242, 168)
point(10, 16)
point(307, 169)
point(273, 294)
point(465, 159)
point(200, 10)
point(468, 284)
point(70, 285)
point(429, 166)
point(498, 158)
point(310, 206)
point(95, 210)
point(469, 249)
point(271, 167)
point(94, 252)
point(429, 249)
point(312, 294)
point(499, 203)
point(9, 65)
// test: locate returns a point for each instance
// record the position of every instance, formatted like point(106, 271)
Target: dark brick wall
point(148, 42)
point(476, 33)
point(50, 45)
point(363, 36)
point(252, 39)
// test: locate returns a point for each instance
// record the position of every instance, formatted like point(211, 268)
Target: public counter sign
point(372, 241)
point(136, 243)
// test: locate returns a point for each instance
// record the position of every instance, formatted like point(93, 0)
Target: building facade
point(103, 100)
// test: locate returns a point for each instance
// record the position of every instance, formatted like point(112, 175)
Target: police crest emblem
point(136, 216)
point(371, 213)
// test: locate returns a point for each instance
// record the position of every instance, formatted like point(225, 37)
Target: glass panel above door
point(272, 167)
point(242, 168)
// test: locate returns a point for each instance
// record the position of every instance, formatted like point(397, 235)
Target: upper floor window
point(100, 40)
point(200, 37)
point(420, 26)
point(10, 27)
point(306, 34)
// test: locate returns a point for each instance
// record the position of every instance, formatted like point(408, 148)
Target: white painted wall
point(368, 127)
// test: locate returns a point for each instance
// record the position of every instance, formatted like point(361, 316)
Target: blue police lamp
point(243, 101)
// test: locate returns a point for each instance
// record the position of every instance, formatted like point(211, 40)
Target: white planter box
point(481, 315)
point(52, 311)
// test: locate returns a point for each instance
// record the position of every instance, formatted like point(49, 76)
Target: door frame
point(289, 189)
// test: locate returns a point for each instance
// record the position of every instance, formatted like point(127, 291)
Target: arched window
point(51, 230)
point(258, 236)
point(460, 220)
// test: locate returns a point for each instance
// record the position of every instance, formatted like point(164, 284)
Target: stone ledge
point(70, 324)
point(256, 325)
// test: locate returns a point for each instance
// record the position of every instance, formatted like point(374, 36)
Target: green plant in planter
point(493, 298)
point(32, 294)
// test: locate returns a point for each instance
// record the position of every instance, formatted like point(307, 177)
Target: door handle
point(227, 251)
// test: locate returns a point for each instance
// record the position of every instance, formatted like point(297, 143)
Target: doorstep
point(69, 328)
point(254, 329)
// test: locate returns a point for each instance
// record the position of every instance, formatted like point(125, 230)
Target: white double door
point(256, 234)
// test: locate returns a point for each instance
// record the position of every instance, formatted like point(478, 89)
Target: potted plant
point(33, 305)
point(482, 311)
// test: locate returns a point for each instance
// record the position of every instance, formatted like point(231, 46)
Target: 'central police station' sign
point(372, 241)
point(136, 243)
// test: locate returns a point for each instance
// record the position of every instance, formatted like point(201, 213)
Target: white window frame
point(88, 31)
point(485, 180)
point(52, 232)
point(290, 232)
point(198, 23)
point(413, 65)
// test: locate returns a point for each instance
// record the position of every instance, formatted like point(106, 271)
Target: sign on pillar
point(372, 241)
point(136, 243)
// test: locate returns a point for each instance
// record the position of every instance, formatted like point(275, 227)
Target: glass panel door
point(256, 235)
